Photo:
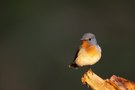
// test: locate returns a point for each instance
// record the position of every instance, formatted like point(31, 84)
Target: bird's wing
point(73, 64)
point(76, 53)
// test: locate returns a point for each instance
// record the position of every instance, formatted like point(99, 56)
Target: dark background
point(38, 40)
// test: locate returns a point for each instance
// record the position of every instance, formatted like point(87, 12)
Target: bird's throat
point(85, 44)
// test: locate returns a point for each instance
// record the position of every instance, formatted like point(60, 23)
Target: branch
point(114, 83)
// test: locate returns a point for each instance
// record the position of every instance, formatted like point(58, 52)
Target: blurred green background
point(39, 40)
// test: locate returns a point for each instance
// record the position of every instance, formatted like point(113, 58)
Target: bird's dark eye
point(89, 39)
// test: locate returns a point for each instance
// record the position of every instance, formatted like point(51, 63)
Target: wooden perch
point(114, 83)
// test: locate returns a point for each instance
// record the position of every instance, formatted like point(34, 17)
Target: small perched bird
point(89, 52)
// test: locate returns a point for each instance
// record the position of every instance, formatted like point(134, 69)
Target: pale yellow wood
point(115, 83)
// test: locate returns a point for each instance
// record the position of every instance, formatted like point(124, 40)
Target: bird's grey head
point(90, 38)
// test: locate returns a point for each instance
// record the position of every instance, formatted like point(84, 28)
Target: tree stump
point(114, 83)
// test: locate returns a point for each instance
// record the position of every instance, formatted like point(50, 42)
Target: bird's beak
point(82, 39)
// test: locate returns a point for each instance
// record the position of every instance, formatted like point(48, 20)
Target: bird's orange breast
point(88, 54)
point(90, 49)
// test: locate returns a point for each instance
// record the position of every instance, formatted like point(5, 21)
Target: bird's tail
point(73, 65)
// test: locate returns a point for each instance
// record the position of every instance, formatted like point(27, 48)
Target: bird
point(88, 53)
